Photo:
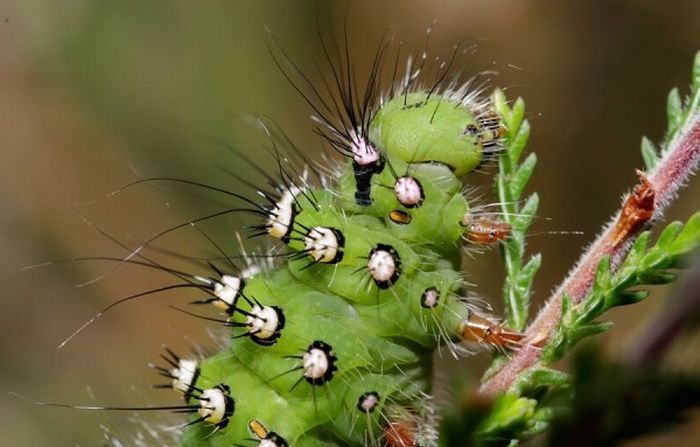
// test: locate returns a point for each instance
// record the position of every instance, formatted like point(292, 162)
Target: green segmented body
point(381, 334)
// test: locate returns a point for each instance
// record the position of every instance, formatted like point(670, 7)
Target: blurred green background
point(93, 94)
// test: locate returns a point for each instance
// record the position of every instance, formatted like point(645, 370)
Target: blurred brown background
point(91, 92)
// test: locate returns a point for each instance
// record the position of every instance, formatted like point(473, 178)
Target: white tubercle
point(382, 265)
point(408, 191)
point(213, 405)
point(227, 291)
point(369, 402)
point(315, 363)
point(280, 221)
point(263, 322)
point(322, 244)
point(430, 298)
point(184, 375)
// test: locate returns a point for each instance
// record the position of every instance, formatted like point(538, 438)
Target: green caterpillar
point(333, 347)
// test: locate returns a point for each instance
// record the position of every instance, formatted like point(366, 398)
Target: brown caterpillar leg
point(480, 329)
point(399, 434)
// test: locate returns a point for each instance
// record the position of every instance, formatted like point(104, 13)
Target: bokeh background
point(95, 94)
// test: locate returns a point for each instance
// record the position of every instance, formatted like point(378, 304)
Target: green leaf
point(614, 285)
point(556, 347)
point(669, 234)
point(587, 330)
point(527, 213)
point(631, 297)
point(649, 153)
point(694, 102)
point(510, 413)
point(538, 377)
point(500, 103)
point(603, 274)
point(533, 264)
point(592, 307)
point(654, 277)
point(526, 276)
point(695, 86)
point(638, 249)
point(517, 115)
point(687, 239)
point(540, 422)
point(674, 111)
point(522, 176)
point(523, 282)
point(659, 253)
point(518, 142)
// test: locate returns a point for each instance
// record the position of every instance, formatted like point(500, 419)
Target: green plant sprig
point(678, 115)
point(677, 162)
point(519, 386)
point(643, 267)
point(510, 183)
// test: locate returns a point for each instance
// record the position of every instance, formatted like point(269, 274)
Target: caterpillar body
point(333, 346)
point(329, 348)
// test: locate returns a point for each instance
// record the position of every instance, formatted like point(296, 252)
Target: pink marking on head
point(363, 152)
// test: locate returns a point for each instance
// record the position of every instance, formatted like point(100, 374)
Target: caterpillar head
point(441, 128)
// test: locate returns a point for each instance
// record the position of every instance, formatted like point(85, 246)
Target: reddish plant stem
point(669, 175)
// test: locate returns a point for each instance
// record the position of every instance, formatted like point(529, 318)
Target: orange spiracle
point(400, 217)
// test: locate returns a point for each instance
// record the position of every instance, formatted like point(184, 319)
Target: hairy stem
point(670, 174)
